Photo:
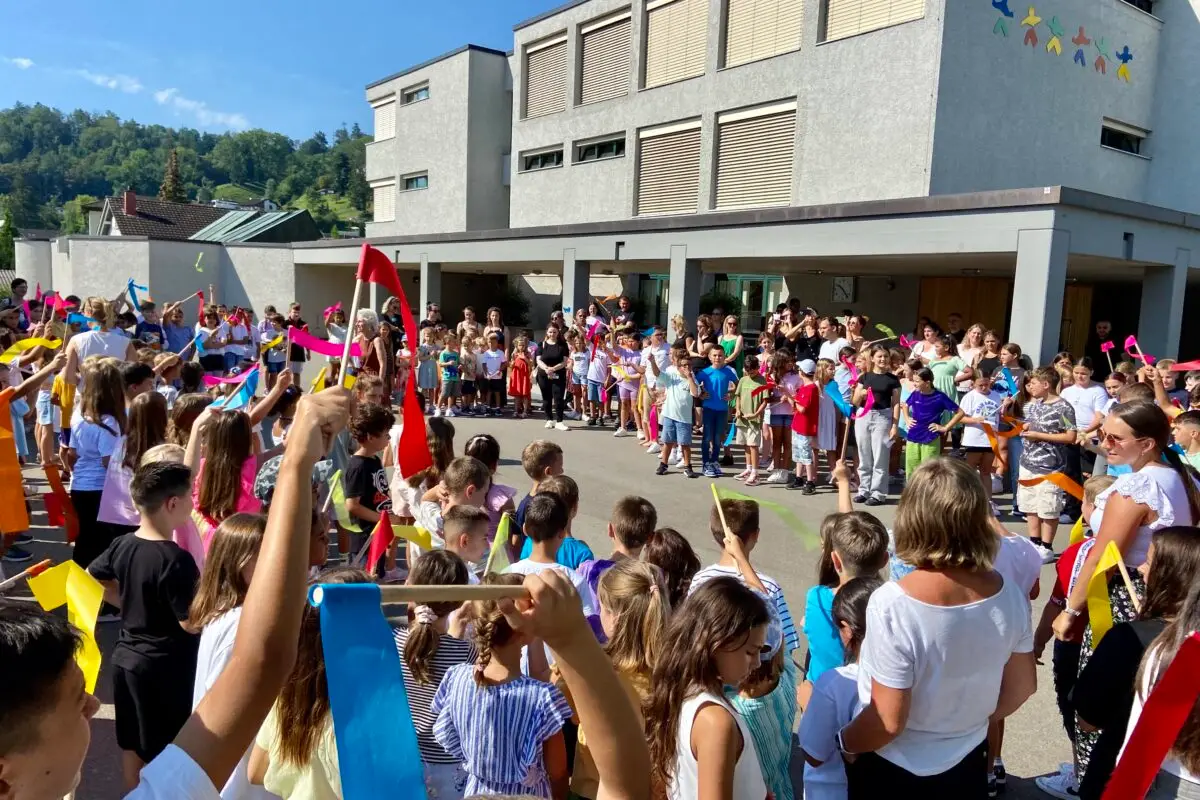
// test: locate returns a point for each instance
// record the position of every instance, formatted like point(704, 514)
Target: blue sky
point(294, 67)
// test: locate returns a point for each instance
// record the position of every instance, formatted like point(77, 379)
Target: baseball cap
point(807, 366)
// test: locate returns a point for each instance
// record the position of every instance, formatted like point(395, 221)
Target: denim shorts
point(676, 432)
point(782, 421)
point(802, 450)
point(45, 409)
point(275, 367)
point(594, 391)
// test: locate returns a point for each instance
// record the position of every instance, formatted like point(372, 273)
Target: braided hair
point(491, 628)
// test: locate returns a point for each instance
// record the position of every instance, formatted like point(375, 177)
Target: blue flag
point(835, 395)
point(372, 723)
point(242, 397)
point(133, 287)
point(82, 319)
point(1009, 381)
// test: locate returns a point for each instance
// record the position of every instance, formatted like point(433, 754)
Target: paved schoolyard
point(607, 469)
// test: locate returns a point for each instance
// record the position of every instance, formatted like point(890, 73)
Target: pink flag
point(868, 401)
point(1106, 347)
point(906, 342)
point(309, 342)
point(1131, 342)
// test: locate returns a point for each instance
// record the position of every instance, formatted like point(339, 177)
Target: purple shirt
point(924, 410)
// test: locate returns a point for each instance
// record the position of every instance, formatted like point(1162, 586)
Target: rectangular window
point(599, 149)
point(668, 169)
point(851, 17)
point(546, 77)
point(415, 94)
point(676, 40)
point(755, 153)
point(383, 196)
point(757, 29)
point(419, 180)
point(543, 159)
point(1119, 136)
point(1144, 5)
point(385, 118)
point(604, 59)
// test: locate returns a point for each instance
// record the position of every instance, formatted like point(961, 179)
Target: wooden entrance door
point(982, 300)
point(1076, 319)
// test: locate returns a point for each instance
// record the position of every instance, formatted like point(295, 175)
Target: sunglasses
point(1108, 439)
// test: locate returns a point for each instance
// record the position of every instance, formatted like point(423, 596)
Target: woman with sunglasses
point(1161, 491)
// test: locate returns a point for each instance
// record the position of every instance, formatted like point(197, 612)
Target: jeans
point(714, 434)
point(874, 450)
point(1015, 447)
point(1074, 471)
point(552, 394)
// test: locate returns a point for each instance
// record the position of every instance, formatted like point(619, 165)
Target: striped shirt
point(497, 732)
point(450, 651)
point(791, 639)
point(770, 719)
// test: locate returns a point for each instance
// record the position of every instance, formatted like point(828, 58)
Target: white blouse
point(1159, 488)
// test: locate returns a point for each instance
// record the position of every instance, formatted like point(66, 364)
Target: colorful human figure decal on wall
point(1031, 21)
point(1101, 55)
point(1124, 57)
point(1001, 26)
point(1056, 34)
point(1081, 40)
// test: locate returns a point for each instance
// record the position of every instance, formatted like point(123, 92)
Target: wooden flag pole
point(846, 436)
point(449, 594)
point(345, 366)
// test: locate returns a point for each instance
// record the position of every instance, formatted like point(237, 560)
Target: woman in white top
point(100, 341)
point(1179, 776)
point(1161, 492)
point(970, 351)
point(214, 335)
point(699, 746)
point(948, 649)
point(926, 348)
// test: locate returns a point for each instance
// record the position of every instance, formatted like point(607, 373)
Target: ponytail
point(435, 568)
point(850, 609)
point(636, 595)
point(491, 628)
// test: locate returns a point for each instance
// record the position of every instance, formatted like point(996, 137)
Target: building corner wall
point(34, 262)
point(489, 141)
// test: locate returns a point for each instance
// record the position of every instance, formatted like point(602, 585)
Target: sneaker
point(793, 480)
point(437, 412)
point(691, 473)
point(874, 501)
point(992, 789)
point(641, 436)
point(18, 555)
point(23, 538)
point(1048, 554)
point(860, 499)
point(809, 488)
point(1002, 777)
point(662, 469)
point(995, 509)
point(549, 424)
point(1062, 785)
point(654, 449)
point(450, 412)
point(572, 415)
point(592, 422)
point(558, 426)
point(726, 461)
point(620, 433)
point(676, 457)
point(1063, 519)
point(709, 471)
point(777, 477)
point(716, 468)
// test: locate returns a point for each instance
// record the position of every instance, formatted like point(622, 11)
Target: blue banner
point(372, 723)
point(835, 395)
point(242, 397)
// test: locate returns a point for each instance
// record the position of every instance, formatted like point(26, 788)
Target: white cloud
point(19, 63)
point(122, 83)
point(200, 110)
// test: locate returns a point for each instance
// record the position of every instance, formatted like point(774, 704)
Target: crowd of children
point(637, 672)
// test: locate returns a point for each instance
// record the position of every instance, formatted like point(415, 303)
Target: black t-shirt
point(1103, 695)
point(427, 323)
point(158, 581)
point(367, 480)
point(552, 355)
point(882, 385)
point(958, 335)
point(702, 363)
point(989, 366)
point(296, 352)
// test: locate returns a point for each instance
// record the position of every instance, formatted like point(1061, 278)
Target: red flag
point(37, 293)
point(1166, 709)
point(200, 308)
point(381, 539)
point(412, 452)
point(375, 267)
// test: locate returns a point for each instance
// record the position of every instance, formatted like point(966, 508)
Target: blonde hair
point(100, 310)
point(163, 452)
point(223, 585)
point(943, 520)
point(635, 593)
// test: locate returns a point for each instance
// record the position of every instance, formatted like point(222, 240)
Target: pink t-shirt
point(782, 407)
point(629, 361)
point(247, 503)
point(498, 497)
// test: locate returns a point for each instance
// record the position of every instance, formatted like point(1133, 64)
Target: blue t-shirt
point(924, 410)
point(716, 383)
point(825, 651)
point(178, 337)
point(150, 333)
point(571, 553)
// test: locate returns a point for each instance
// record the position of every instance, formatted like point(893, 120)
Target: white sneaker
point(1062, 785)
point(641, 436)
point(778, 476)
point(437, 412)
point(558, 426)
point(995, 509)
point(1048, 554)
point(676, 457)
point(620, 433)
point(586, 418)
point(450, 412)
point(549, 424)
point(654, 449)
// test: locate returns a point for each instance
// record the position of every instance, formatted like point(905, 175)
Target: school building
point(1031, 166)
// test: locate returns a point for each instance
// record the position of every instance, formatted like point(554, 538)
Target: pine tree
point(172, 187)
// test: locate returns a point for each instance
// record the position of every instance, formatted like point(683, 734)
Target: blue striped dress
point(770, 719)
point(497, 732)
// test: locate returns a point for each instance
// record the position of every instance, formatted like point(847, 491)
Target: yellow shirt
point(65, 394)
point(585, 780)
point(319, 779)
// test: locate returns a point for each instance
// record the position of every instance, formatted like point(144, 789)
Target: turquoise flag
point(372, 723)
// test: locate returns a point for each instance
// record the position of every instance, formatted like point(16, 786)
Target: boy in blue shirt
point(717, 384)
point(679, 387)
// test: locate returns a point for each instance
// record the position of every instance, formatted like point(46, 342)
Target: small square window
point(415, 94)
point(413, 182)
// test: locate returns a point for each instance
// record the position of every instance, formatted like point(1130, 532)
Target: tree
point(271, 190)
point(340, 169)
point(356, 132)
point(50, 215)
point(205, 193)
point(334, 233)
point(172, 189)
point(8, 235)
point(357, 190)
point(23, 208)
point(315, 145)
point(75, 218)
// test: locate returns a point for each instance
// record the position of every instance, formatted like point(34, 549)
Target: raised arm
point(262, 409)
point(35, 380)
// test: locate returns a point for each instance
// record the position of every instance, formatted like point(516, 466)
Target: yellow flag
point(27, 344)
point(70, 584)
point(318, 384)
point(278, 340)
point(786, 516)
point(1098, 603)
point(1076, 532)
point(418, 536)
point(497, 560)
point(348, 382)
point(337, 496)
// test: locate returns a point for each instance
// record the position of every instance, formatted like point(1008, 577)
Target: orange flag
point(14, 517)
point(59, 507)
point(1060, 480)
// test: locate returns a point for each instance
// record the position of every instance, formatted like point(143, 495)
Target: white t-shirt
point(598, 366)
point(212, 334)
point(748, 783)
point(173, 775)
point(587, 598)
point(832, 706)
point(661, 356)
point(244, 350)
point(492, 361)
point(1019, 562)
point(830, 350)
point(983, 406)
point(952, 658)
point(1170, 764)
point(923, 350)
point(1087, 402)
point(1156, 486)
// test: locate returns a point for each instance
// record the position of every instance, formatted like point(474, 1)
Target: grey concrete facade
point(458, 138)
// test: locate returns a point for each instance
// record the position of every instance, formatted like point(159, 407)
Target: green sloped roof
point(219, 231)
point(242, 226)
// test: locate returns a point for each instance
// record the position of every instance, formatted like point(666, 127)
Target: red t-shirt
point(805, 422)
point(1063, 571)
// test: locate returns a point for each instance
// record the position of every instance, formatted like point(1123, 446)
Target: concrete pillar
point(575, 279)
point(683, 287)
point(1161, 315)
point(373, 299)
point(1041, 281)
point(431, 284)
point(33, 263)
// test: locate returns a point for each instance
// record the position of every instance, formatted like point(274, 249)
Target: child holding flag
point(366, 479)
